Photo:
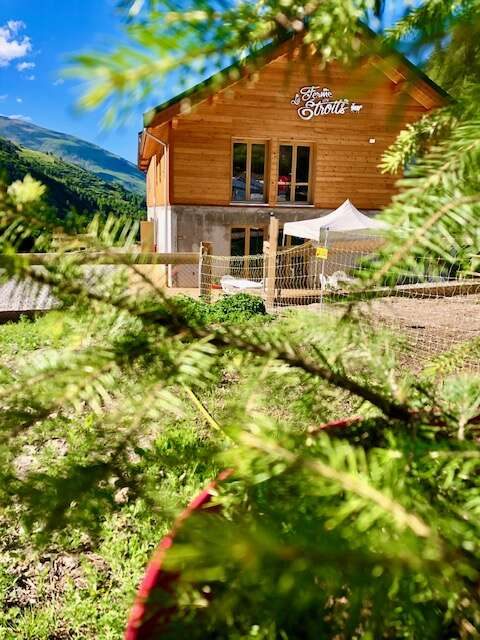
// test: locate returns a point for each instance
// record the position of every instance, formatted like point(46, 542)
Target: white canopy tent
point(346, 222)
point(347, 218)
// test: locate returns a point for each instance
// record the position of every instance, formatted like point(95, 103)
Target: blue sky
point(36, 39)
point(44, 33)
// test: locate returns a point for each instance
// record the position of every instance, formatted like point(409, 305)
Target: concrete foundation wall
point(184, 227)
point(195, 224)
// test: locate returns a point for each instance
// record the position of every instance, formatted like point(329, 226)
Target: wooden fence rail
point(104, 257)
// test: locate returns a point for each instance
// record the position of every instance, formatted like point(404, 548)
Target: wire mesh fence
point(431, 306)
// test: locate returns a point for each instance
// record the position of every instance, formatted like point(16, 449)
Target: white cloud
point(58, 82)
point(19, 100)
point(23, 66)
point(30, 77)
point(17, 116)
point(4, 97)
point(15, 25)
point(12, 45)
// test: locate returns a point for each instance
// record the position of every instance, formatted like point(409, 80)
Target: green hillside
point(69, 187)
point(105, 165)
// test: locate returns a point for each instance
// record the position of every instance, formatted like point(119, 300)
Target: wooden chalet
point(291, 138)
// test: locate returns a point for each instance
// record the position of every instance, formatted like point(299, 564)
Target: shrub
point(192, 310)
point(240, 307)
point(236, 308)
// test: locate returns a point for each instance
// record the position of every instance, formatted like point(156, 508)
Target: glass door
point(245, 242)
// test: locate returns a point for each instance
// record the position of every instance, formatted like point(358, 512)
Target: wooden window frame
point(293, 181)
point(247, 227)
point(248, 182)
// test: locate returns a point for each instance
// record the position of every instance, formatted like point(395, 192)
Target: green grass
point(99, 161)
point(80, 582)
point(91, 600)
point(50, 330)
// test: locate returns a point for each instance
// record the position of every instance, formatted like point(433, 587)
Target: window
point(294, 173)
point(248, 172)
point(246, 241)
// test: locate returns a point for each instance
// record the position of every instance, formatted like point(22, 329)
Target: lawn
point(78, 581)
point(69, 568)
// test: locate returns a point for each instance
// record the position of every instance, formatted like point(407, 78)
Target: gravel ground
point(439, 323)
point(429, 326)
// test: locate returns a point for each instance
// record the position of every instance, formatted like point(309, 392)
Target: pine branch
point(420, 232)
point(350, 483)
point(230, 338)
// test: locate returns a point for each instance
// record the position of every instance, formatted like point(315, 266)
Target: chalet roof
point(221, 80)
point(235, 71)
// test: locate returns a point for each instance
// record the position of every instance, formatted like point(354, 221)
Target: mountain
point(105, 165)
point(69, 187)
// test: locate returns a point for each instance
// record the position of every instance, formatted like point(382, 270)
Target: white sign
point(312, 101)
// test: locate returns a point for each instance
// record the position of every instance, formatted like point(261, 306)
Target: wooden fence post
point(270, 252)
point(147, 236)
point(155, 272)
point(205, 271)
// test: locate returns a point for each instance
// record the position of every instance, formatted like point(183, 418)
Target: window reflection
point(237, 241)
point(301, 193)
point(239, 171)
point(284, 173)
point(256, 241)
point(257, 182)
point(248, 172)
point(293, 186)
point(246, 241)
point(303, 164)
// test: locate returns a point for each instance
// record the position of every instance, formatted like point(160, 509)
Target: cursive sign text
point(313, 101)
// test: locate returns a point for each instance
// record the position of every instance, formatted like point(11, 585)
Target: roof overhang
point(148, 145)
point(396, 67)
point(224, 79)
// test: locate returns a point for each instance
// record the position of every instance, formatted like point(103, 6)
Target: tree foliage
point(174, 43)
point(440, 191)
point(318, 528)
point(73, 194)
point(367, 530)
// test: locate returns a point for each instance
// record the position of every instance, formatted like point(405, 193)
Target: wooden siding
point(345, 163)
point(152, 182)
point(156, 185)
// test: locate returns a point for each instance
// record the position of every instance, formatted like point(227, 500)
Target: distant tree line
point(74, 194)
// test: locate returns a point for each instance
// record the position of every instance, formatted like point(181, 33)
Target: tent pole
point(322, 277)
